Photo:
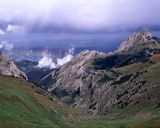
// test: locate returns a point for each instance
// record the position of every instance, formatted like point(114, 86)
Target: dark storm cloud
point(87, 15)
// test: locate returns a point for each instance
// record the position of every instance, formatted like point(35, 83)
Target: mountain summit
point(138, 37)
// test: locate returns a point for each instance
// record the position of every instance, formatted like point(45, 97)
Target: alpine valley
point(120, 89)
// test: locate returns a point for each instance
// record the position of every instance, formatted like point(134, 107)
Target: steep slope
point(101, 83)
point(23, 105)
point(71, 74)
point(8, 68)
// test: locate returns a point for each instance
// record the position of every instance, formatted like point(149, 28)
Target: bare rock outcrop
point(138, 37)
point(8, 68)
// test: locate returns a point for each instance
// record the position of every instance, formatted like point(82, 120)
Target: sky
point(79, 15)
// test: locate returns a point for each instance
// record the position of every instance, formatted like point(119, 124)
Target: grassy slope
point(25, 106)
point(138, 117)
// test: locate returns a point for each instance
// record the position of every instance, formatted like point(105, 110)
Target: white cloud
point(2, 32)
point(14, 28)
point(47, 62)
point(6, 45)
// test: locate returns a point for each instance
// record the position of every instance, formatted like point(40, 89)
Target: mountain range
point(101, 83)
point(119, 89)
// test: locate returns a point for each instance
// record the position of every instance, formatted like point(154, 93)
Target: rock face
point(75, 68)
point(102, 83)
point(139, 37)
point(8, 68)
point(69, 79)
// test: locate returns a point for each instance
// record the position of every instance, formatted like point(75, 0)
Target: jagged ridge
point(105, 82)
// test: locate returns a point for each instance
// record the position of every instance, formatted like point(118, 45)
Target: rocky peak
point(74, 68)
point(8, 68)
point(86, 56)
point(138, 37)
point(77, 64)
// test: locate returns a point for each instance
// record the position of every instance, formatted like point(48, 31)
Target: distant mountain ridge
point(101, 82)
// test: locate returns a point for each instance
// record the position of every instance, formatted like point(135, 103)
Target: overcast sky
point(88, 15)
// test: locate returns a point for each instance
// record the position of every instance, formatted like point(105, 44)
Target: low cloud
point(6, 45)
point(2, 32)
point(66, 58)
point(14, 28)
point(48, 62)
